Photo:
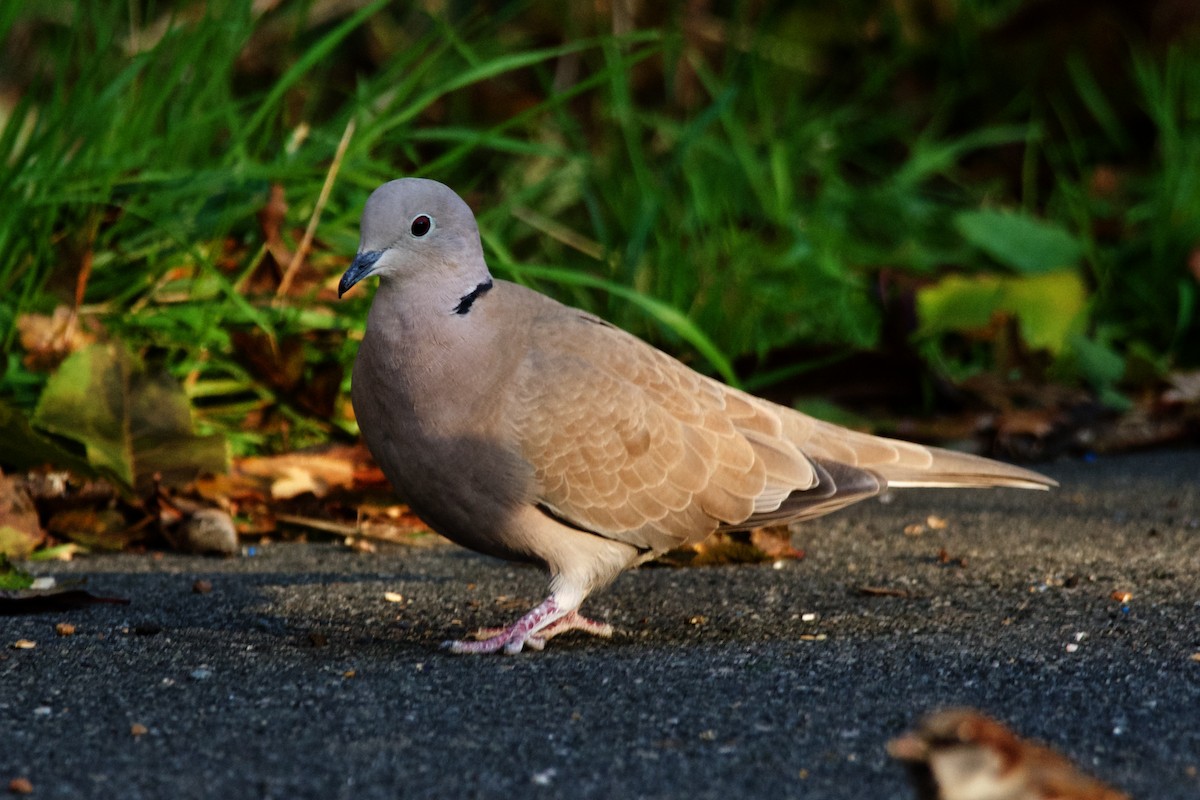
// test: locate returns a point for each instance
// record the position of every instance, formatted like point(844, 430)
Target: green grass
point(761, 198)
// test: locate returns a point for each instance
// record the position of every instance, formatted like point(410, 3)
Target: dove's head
point(416, 226)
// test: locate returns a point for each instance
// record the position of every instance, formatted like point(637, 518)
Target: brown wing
point(629, 443)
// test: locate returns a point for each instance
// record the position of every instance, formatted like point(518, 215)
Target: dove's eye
point(421, 225)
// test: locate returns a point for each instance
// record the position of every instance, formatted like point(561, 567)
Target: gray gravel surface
point(295, 678)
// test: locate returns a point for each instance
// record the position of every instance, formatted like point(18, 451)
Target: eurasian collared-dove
point(533, 431)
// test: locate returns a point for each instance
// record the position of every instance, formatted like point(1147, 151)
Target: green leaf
point(1097, 362)
point(13, 577)
point(1049, 308)
point(1019, 241)
point(17, 543)
point(22, 448)
point(131, 422)
point(959, 303)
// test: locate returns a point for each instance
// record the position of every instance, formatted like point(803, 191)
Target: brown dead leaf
point(958, 753)
point(20, 785)
point(271, 217)
point(20, 531)
point(284, 477)
point(411, 532)
point(738, 547)
point(47, 340)
point(1036, 422)
point(279, 362)
point(775, 542)
point(1185, 388)
point(103, 528)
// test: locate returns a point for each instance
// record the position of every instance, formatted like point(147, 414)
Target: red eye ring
point(421, 225)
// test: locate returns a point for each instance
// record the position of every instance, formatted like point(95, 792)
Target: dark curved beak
point(360, 268)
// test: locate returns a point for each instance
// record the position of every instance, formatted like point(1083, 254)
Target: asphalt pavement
point(297, 677)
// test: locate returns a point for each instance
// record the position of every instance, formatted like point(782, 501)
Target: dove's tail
point(951, 469)
point(907, 465)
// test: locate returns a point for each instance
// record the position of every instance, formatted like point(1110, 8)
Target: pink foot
point(532, 630)
point(575, 622)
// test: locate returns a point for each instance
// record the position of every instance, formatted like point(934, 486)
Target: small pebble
point(201, 674)
point(23, 644)
point(64, 629)
point(1072, 647)
point(138, 729)
point(210, 531)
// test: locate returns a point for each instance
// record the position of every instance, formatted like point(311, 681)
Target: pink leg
point(533, 630)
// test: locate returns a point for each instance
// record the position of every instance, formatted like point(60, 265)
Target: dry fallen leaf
point(1185, 387)
point(20, 531)
point(739, 547)
point(20, 786)
point(99, 528)
point(47, 340)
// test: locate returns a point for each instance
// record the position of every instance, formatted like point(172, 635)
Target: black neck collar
point(468, 299)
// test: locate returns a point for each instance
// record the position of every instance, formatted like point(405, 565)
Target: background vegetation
point(910, 204)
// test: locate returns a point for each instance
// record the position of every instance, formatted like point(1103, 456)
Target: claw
point(532, 630)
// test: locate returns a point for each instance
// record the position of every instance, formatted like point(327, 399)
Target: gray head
point(416, 226)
